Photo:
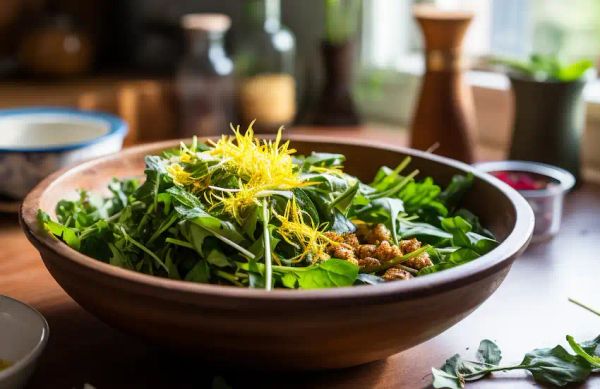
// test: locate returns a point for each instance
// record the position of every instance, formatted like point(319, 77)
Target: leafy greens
point(251, 213)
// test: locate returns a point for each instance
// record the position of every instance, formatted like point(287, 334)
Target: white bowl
point(23, 336)
point(35, 142)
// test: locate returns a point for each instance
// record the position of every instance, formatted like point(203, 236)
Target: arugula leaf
point(199, 273)
point(444, 380)
point(218, 259)
point(370, 279)
point(556, 366)
point(322, 160)
point(172, 267)
point(424, 232)
point(454, 192)
point(384, 210)
point(340, 223)
point(289, 280)
point(330, 273)
point(344, 200)
point(465, 370)
point(474, 222)
point(68, 235)
point(592, 347)
point(489, 352)
point(119, 258)
point(327, 274)
point(148, 192)
point(458, 227)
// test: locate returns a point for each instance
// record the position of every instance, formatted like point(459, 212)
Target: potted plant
point(336, 105)
point(549, 109)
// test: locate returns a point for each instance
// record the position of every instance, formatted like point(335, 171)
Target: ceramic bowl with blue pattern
point(35, 142)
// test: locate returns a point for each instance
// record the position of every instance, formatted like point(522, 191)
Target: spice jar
point(265, 67)
point(205, 80)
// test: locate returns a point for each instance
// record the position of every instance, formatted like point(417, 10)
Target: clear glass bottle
point(265, 61)
point(205, 80)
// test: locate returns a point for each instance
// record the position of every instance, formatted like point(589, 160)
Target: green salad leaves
point(553, 366)
point(251, 213)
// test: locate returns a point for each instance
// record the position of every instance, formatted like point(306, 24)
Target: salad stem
point(582, 305)
point(228, 277)
point(267, 241)
point(493, 369)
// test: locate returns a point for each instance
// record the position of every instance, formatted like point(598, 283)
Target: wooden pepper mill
point(445, 113)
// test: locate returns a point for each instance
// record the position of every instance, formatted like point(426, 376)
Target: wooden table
point(529, 310)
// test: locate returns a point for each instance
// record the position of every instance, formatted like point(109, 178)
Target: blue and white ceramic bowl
point(35, 142)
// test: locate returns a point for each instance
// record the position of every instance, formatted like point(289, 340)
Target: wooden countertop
point(529, 310)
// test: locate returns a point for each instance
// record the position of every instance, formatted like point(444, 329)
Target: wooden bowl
point(284, 329)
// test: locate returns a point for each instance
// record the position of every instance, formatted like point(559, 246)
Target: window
point(500, 27)
point(391, 57)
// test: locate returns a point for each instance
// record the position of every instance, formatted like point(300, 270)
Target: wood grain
point(529, 310)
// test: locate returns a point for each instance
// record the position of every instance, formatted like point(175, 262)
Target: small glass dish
point(543, 186)
point(23, 337)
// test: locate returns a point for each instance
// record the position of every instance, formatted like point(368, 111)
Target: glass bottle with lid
point(265, 59)
point(205, 80)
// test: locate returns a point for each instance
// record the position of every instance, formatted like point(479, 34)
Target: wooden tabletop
point(529, 310)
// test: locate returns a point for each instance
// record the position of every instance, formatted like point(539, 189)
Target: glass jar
point(205, 80)
point(547, 202)
point(265, 59)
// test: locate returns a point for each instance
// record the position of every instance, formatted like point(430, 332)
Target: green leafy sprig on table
point(546, 67)
point(554, 366)
point(249, 213)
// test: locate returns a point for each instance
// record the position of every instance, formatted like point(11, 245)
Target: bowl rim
point(36, 351)
point(116, 127)
point(456, 277)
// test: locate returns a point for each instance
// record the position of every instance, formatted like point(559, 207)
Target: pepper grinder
point(445, 115)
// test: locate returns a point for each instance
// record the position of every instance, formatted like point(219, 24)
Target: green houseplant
point(549, 109)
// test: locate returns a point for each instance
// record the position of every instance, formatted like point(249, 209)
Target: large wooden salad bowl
point(284, 329)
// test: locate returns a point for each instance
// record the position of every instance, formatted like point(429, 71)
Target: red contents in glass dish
point(521, 180)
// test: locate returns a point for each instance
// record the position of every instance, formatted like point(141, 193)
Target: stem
point(398, 169)
point(229, 242)
point(397, 188)
point(228, 277)
point(165, 227)
point(582, 305)
point(267, 242)
point(145, 249)
point(412, 271)
point(180, 243)
point(493, 369)
point(396, 260)
point(145, 219)
point(282, 269)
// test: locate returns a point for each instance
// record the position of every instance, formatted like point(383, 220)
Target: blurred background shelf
point(148, 104)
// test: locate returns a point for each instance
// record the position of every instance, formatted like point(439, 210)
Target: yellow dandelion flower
point(179, 175)
point(234, 203)
point(306, 236)
point(185, 158)
point(333, 170)
point(260, 165)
